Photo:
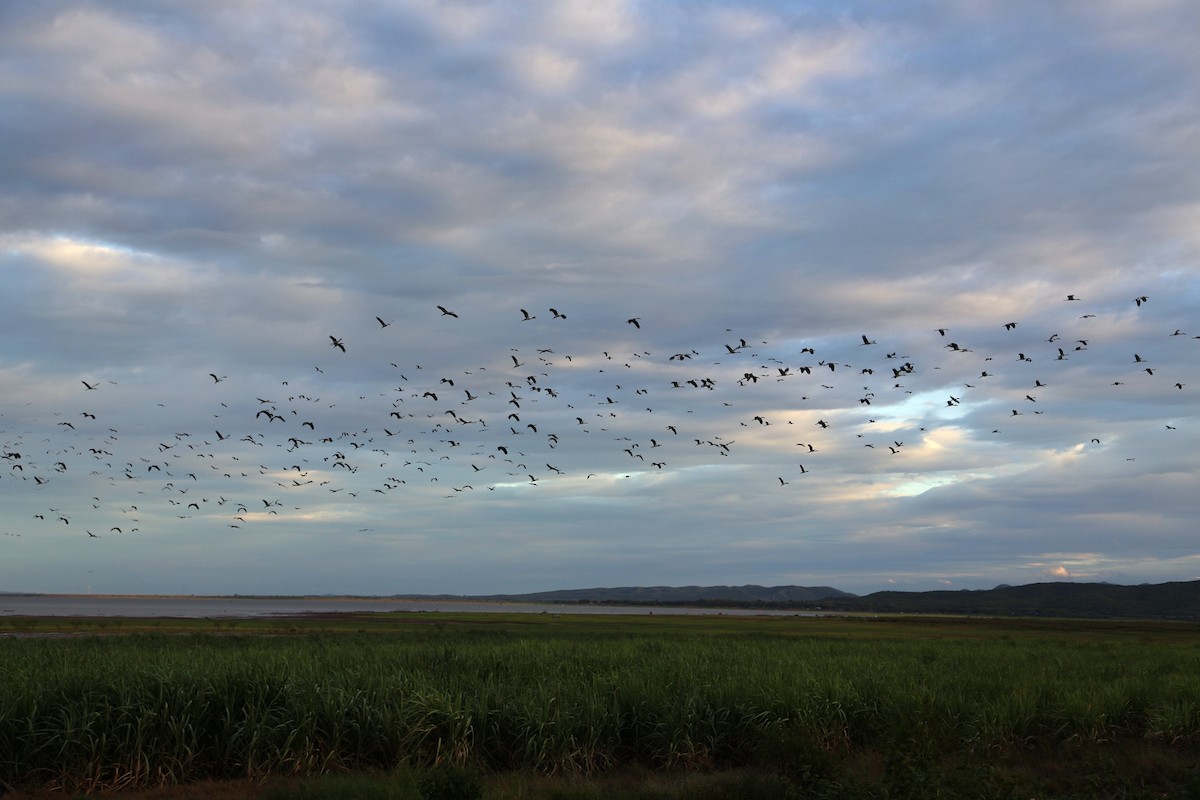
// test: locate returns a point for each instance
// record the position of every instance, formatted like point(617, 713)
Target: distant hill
point(676, 595)
point(1179, 600)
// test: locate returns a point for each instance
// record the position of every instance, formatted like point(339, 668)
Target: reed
point(107, 712)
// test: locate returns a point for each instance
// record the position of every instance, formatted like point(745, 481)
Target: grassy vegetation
point(415, 705)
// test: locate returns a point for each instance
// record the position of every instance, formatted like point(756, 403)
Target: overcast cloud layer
point(799, 284)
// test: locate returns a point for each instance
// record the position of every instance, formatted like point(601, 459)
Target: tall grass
point(111, 712)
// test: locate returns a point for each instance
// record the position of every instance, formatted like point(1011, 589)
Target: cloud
point(223, 191)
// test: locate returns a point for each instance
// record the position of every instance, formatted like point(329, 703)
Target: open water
point(141, 606)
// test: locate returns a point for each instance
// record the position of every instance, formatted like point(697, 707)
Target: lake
point(144, 606)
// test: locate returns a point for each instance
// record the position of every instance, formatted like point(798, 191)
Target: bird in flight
point(527, 390)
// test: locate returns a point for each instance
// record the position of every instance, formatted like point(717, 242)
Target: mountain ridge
point(1172, 600)
point(674, 594)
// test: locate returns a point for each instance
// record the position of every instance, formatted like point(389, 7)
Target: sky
point(487, 297)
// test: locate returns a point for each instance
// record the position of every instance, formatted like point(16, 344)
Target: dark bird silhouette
point(557, 314)
point(382, 324)
point(635, 322)
point(336, 342)
point(527, 315)
point(87, 385)
point(446, 312)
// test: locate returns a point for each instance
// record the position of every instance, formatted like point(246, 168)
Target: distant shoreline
point(1166, 601)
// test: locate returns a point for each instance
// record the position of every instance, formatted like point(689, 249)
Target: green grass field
point(543, 706)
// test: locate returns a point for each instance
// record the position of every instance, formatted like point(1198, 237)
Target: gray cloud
point(222, 189)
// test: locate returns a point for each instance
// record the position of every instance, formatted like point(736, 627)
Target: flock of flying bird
point(520, 421)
